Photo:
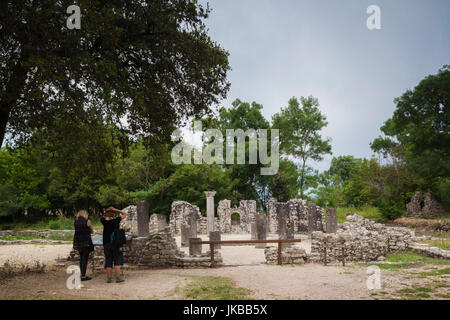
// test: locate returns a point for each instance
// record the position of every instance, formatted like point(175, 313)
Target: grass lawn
point(405, 260)
point(52, 236)
point(366, 212)
point(214, 288)
point(60, 223)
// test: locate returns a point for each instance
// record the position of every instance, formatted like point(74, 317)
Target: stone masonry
point(364, 240)
point(246, 211)
point(304, 218)
point(158, 250)
point(424, 206)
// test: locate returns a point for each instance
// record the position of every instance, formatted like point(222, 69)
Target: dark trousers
point(84, 256)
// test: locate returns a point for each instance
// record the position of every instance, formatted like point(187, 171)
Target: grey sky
point(280, 49)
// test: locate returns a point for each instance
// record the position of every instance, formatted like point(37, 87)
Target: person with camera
point(113, 253)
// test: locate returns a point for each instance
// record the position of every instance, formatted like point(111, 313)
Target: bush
point(61, 223)
point(53, 224)
point(391, 208)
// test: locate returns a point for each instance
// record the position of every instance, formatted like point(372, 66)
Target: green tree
point(300, 127)
point(151, 62)
point(344, 167)
point(245, 116)
point(420, 126)
point(328, 190)
point(22, 186)
point(188, 183)
point(284, 184)
point(417, 138)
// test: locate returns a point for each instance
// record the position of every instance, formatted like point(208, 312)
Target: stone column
point(195, 249)
point(210, 210)
point(188, 229)
point(285, 225)
point(331, 224)
point(314, 218)
point(261, 229)
point(215, 236)
point(143, 219)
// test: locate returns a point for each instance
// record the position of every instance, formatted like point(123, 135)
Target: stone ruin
point(424, 205)
point(295, 216)
point(246, 212)
point(152, 244)
point(156, 223)
point(303, 218)
point(363, 239)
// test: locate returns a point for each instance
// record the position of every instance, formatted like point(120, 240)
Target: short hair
point(109, 213)
point(83, 214)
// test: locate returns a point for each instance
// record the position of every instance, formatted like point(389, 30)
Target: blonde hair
point(83, 214)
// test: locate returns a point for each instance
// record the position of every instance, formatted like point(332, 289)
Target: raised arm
point(123, 214)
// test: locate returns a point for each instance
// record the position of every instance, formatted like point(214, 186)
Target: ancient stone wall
point(158, 250)
point(424, 205)
point(157, 222)
point(246, 211)
point(302, 216)
point(430, 251)
point(291, 255)
point(202, 225)
point(364, 240)
point(129, 224)
point(180, 212)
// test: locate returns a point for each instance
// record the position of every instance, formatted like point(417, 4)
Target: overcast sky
point(279, 49)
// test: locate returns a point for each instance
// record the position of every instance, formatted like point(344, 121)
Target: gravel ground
point(237, 255)
point(28, 254)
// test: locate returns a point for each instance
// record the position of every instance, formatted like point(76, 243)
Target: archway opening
point(235, 219)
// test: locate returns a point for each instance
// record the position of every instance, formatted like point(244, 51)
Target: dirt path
point(266, 282)
point(310, 281)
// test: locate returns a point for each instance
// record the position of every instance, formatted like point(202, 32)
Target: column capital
point(210, 194)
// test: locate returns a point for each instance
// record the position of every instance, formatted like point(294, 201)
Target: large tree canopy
point(148, 65)
point(419, 130)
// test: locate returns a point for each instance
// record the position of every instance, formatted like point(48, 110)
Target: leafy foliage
point(300, 133)
point(149, 62)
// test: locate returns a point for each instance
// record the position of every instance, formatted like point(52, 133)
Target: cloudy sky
point(285, 48)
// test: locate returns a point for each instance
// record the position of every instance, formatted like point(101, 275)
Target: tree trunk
point(302, 179)
point(4, 118)
point(11, 95)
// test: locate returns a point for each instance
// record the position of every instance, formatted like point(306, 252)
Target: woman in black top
point(113, 255)
point(82, 240)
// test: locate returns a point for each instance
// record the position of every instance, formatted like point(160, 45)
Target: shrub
point(54, 225)
point(391, 207)
point(61, 223)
